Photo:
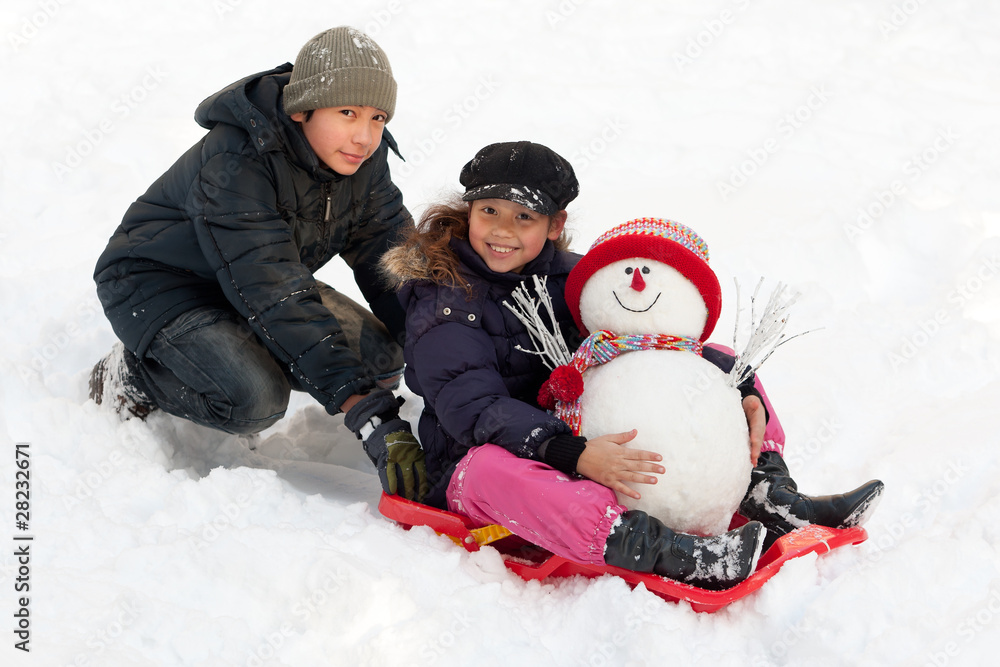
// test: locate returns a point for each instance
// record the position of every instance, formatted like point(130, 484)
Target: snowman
point(646, 294)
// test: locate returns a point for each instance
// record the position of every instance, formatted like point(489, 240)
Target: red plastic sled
point(533, 563)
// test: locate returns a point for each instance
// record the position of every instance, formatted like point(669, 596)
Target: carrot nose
point(638, 284)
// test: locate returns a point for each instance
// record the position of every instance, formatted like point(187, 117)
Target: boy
point(208, 281)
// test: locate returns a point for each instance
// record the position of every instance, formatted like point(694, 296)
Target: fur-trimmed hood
point(403, 264)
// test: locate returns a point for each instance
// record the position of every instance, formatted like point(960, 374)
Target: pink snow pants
point(571, 518)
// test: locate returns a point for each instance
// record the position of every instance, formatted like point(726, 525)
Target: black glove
point(389, 444)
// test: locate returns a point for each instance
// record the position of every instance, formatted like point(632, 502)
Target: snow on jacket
point(242, 220)
point(461, 357)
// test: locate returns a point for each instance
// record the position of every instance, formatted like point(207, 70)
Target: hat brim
point(530, 198)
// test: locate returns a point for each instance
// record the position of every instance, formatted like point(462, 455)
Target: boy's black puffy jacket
point(242, 220)
point(461, 357)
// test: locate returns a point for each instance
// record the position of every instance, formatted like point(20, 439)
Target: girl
point(491, 452)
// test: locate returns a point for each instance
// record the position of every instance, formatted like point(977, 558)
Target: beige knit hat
point(341, 67)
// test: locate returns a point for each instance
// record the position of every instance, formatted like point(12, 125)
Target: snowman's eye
point(628, 271)
point(645, 269)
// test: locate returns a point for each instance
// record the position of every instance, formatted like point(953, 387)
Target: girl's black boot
point(642, 543)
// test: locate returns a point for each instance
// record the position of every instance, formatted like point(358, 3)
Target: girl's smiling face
point(507, 235)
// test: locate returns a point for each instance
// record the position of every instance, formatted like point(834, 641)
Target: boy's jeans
point(209, 367)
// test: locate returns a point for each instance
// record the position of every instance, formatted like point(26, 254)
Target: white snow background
point(848, 149)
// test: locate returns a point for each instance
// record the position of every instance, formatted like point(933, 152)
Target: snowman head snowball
point(623, 282)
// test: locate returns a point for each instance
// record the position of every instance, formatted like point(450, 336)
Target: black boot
point(642, 543)
point(114, 381)
point(774, 500)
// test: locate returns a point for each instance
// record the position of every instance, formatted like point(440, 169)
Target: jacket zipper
point(324, 244)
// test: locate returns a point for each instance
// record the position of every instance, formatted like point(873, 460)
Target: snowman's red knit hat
point(653, 238)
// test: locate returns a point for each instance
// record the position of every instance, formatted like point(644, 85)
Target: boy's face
point(507, 235)
point(343, 137)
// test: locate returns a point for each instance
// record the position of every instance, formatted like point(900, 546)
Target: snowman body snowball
point(648, 291)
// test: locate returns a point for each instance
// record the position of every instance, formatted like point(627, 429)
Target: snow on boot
point(113, 382)
point(774, 500)
point(641, 543)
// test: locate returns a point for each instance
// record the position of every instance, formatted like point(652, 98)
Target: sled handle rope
point(453, 526)
point(481, 536)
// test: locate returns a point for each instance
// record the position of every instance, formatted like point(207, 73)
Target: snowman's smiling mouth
point(633, 310)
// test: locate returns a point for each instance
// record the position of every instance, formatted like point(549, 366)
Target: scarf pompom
point(564, 385)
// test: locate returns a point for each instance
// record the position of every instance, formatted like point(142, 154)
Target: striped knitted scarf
point(562, 391)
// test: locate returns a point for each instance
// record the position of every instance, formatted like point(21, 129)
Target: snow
point(847, 149)
point(608, 300)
